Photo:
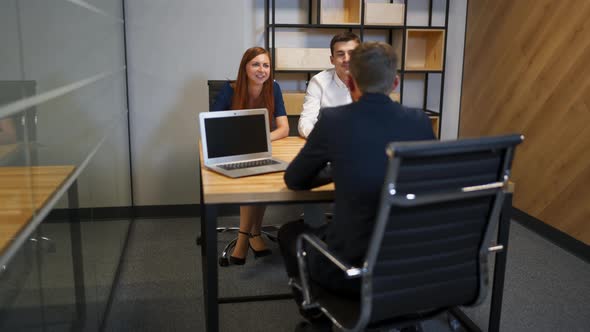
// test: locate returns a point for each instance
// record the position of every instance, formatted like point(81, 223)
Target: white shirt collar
point(339, 81)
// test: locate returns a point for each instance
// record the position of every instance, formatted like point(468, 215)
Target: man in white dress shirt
point(328, 88)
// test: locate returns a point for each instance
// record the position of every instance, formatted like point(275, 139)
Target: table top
point(264, 188)
point(24, 190)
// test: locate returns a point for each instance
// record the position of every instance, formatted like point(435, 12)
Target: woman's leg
point(257, 242)
point(250, 221)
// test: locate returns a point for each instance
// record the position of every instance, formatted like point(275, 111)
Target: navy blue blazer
point(352, 138)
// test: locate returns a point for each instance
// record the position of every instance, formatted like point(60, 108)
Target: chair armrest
point(349, 270)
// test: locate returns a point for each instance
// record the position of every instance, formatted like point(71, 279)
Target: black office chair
point(439, 206)
point(269, 231)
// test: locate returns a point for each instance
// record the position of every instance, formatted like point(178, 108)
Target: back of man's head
point(373, 66)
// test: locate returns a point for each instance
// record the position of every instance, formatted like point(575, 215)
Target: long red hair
point(241, 96)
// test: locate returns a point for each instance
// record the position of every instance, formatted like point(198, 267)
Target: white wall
point(454, 69)
point(173, 48)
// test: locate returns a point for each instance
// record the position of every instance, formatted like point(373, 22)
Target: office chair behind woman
point(254, 88)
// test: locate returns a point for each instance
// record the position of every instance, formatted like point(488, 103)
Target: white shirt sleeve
point(311, 107)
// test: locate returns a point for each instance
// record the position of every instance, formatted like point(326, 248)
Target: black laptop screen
point(235, 135)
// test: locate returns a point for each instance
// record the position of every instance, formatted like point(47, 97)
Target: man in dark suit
point(351, 139)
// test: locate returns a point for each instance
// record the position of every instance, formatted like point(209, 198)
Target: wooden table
point(217, 190)
point(23, 191)
point(266, 188)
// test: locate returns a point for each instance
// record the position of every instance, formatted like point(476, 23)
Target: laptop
point(237, 143)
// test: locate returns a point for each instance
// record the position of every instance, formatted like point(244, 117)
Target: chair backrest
point(214, 87)
point(439, 206)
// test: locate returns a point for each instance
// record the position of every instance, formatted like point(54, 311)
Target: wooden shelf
point(340, 12)
point(424, 49)
point(293, 102)
point(337, 26)
point(302, 59)
point(384, 14)
point(420, 48)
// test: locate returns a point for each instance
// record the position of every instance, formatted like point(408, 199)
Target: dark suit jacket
point(353, 139)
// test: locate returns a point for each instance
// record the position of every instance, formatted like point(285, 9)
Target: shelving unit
point(420, 48)
point(424, 49)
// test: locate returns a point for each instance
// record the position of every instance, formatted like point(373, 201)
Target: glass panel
point(52, 52)
point(20, 291)
point(63, 43)
point(110, 7)
point(10, 66)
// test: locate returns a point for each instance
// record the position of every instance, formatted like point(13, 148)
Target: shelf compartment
point(424, 49)
point(434, 120)
point(293, 102)
point(340, 12)
point(302, 59)
point(384, 14)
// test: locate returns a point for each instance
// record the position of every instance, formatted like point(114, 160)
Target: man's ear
point(332, 59)
point(395, 82)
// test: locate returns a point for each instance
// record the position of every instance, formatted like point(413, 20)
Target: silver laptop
point(237, 143)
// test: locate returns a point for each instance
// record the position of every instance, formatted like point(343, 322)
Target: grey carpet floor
point(160, 287)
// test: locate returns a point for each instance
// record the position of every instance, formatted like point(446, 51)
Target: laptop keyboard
point(248, 164)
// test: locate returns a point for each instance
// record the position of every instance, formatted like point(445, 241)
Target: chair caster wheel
point(454, 323)
point(199, 241)
point(223, 261)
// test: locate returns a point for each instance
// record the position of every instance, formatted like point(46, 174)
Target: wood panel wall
point(527, 70)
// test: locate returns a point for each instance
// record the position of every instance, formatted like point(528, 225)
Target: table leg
point(209, 264)
point(500, 265)
point(77, 257)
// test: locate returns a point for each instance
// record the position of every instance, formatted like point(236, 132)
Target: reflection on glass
point(60, 277)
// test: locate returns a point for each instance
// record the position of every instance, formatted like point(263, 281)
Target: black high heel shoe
point(237, 260)
point(259, 253)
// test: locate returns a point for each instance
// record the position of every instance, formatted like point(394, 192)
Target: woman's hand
point(282, 128)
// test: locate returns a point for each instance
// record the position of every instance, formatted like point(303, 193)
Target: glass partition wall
point(64, 153)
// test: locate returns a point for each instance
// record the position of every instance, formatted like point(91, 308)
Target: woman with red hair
point(254, 88)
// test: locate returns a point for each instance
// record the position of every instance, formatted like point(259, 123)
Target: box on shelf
point(384, 14)
point(290, 58)
point(424, 49)
point(340, 12)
